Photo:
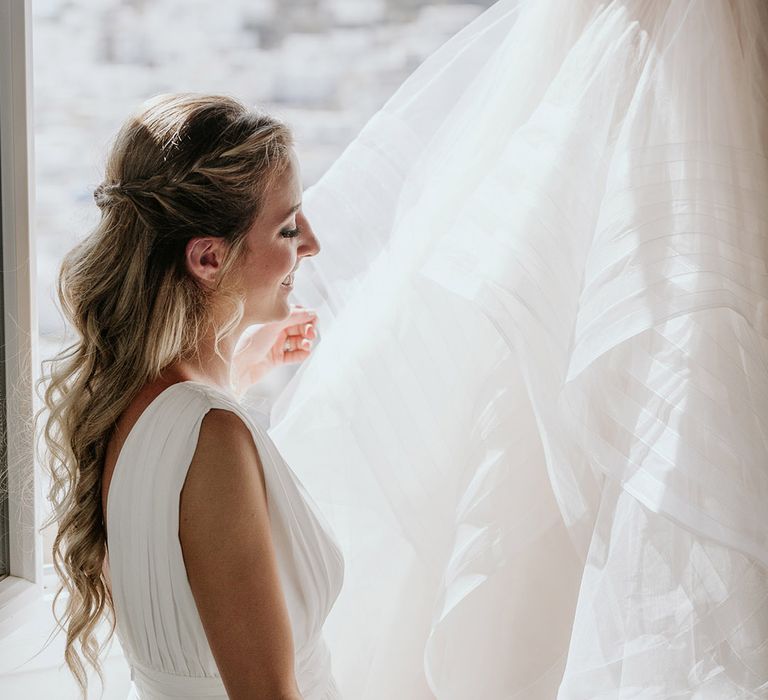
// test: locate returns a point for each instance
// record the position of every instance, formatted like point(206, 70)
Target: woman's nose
point(309, 243)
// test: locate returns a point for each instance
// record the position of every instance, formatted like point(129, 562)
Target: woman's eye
point(291, 232)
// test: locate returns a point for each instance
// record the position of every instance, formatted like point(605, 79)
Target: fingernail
point(306, 344)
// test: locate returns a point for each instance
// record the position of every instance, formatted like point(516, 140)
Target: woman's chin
point(282, 307)
point(279, 311)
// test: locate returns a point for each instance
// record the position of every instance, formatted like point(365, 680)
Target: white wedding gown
point(158, 625)
point(537, 419)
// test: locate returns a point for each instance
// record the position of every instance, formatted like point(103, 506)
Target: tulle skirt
point(538, 415)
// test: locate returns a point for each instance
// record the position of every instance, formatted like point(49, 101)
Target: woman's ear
point(204, 257)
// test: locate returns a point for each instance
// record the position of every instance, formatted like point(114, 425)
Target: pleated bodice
point(157, 620)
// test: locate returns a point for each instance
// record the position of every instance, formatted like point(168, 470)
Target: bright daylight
point(384, 350)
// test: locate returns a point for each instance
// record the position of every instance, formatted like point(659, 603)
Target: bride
point(537, 417)
point(176, 515)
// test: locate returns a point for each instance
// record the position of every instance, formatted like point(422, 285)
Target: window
point(5, 562)
point(20, 550)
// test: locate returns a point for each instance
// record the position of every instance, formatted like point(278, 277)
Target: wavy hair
point(185, 165)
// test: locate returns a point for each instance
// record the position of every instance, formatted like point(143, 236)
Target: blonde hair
point(186, 165)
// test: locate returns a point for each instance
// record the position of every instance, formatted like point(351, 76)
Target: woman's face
point(275, 244)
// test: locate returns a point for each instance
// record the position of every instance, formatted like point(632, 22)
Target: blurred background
point(324, 66)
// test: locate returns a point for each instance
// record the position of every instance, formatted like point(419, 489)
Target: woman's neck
point(207, 366)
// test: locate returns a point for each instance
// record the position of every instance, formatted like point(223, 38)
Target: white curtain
point(538, 415)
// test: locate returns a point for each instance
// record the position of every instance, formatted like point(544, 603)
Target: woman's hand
point(262, 348)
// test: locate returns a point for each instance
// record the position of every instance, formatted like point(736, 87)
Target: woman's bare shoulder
point(226, 454)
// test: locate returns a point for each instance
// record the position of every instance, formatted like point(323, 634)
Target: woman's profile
point(176, 512)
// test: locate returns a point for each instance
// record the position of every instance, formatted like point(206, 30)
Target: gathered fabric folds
point(158, 623)
point(537, 418)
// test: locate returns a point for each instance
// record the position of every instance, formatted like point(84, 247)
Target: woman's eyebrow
point(293, 210)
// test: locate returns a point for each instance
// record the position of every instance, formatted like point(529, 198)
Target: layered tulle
point(538, 415)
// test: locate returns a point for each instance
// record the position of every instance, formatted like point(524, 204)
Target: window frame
point(24, 584)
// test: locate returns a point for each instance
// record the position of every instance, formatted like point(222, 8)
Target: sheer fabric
point(538, 415)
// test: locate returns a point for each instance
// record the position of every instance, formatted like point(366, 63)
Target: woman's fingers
point(295, 343)
point(300, 330)
point(306, 330)
point(297, 355)
point(299, 315)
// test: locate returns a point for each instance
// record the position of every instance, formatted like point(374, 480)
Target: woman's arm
point(225, 538)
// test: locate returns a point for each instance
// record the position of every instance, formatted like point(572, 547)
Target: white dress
point(538, 414)
point(157, 620)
